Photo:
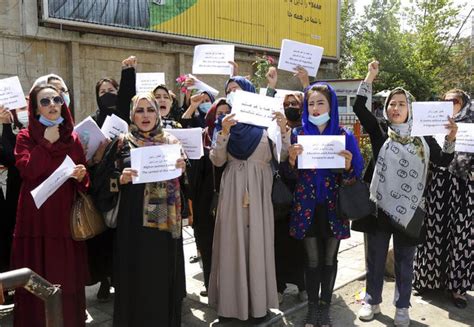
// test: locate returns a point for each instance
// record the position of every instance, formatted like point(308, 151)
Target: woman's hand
point(302, 75)
point(348, 158)
point(281, 121)
point(272, 77)
point(453, 129)
point(99, 153)
point(235, 68)
point(127, 175)
point(181, 163)
point(130, 62)
point(79, 172)
point(52, 133)
point(227, 124)
point(293, 152)
point(5, 115)
point(373, 70)
point(189, 81)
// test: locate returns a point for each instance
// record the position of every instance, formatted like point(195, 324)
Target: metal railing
point(41, 288)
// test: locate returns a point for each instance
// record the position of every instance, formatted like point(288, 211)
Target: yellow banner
point(262, 23)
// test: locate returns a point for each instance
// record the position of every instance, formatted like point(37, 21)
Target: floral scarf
point(162, 200)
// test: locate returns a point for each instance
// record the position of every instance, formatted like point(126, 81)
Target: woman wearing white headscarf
point(397, 185)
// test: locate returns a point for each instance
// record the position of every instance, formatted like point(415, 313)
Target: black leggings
point(321, 252)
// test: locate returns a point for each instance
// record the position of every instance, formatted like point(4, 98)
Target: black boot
point(328, 279)
point(313, 280)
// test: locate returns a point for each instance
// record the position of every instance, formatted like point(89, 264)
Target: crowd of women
point(247, 256)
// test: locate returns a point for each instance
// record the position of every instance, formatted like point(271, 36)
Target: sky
point(466, 31)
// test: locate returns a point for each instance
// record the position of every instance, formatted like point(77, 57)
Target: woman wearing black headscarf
point(111, 99)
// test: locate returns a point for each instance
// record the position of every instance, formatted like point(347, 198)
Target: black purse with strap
point(282, 197)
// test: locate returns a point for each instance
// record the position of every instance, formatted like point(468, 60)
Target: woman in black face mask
point(111, 99)
point(292, 104)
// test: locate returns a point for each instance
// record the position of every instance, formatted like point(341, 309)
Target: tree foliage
point(413, 45)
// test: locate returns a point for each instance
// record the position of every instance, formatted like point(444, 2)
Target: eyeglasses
point(453, 100)
point(47, 101)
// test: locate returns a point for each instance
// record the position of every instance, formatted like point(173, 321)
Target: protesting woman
point(397, 187)
point(314, 218)
point(242, 281)
point(446, 258)
point(148, 262)
point(42, 239)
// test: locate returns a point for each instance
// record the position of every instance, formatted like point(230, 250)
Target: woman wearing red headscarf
point(42, 240)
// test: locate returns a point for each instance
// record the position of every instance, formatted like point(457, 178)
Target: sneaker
point(303, 296)
point(402, 318)
point(367, 312)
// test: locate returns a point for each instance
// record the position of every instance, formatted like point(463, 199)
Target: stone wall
point(30, 50)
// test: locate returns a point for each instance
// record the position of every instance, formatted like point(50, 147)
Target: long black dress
point(100, 247)
point(148, 266)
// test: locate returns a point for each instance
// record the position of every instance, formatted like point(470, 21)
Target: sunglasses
point(55, 100)
point(453, 100)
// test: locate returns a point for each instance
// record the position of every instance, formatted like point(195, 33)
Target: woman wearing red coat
point(42, 239)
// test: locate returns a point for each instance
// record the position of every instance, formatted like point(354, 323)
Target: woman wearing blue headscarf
point(242, 282)
point(314, 218)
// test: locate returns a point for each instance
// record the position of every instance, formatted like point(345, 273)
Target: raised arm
point(127, 89)
point(367, 118)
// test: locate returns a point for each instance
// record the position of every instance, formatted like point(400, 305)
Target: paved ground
point(433, 309)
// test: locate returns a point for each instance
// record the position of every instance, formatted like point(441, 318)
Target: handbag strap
point(273, 162)
point(214, 178)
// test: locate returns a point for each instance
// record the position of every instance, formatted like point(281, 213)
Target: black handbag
point(354, 202)
point(416, 227)
point(215, 196)
point(282, 197)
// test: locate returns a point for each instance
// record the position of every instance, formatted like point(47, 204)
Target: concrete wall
point(30, 50)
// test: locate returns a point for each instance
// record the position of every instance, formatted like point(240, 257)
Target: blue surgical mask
point(67, 99)
point(48, 123)
point(319, 120)
point(230, 98)
point(22, 117)
point(205, 106)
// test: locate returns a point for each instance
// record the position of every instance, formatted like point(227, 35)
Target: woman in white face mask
point(10, 181)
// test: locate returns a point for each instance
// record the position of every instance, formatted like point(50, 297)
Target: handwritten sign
point(191, 140)
point(294, 54)
point(155, 163)
point(41, 193)
point(321, 151)
point(255, 109)
point(429, 118)
point(11, 93)
point(213, 59)
point(280, 93)
point(146, 82)
point(90, 135)
point(464, 138)
point(200, 85)
point(114, 126)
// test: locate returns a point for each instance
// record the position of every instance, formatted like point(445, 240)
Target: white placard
point(321, 151)
point(11, 93)
point(90, 135)
point(42, 192)
point(200, 85)
point(429, 118)
point(295, 54)
point(213, 59)
point(155, 163)
point(114, 126)
point(465, 138)
point(146, 82)
point(191, 140)
point(255, 109)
